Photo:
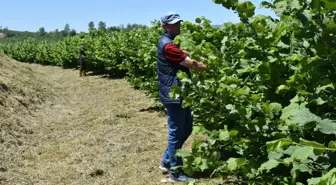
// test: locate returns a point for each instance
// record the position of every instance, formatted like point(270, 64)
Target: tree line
point(56, 35)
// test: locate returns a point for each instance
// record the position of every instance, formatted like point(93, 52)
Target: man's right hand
point(194, 65)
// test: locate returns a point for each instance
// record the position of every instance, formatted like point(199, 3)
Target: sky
point(24, 15)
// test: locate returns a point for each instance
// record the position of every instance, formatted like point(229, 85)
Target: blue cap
point(170, 18)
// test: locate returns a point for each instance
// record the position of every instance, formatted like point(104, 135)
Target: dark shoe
point(181, 178)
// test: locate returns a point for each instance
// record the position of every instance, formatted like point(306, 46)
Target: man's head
point(171, 23)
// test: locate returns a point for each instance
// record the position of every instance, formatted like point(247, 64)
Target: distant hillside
point(216, 25)
point(2, 35)
point(10, 36)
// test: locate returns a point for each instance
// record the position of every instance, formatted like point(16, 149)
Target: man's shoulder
point(173, 46)
point(164, 42)
point(165, 39)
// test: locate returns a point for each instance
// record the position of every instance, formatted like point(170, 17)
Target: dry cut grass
point(58, 128)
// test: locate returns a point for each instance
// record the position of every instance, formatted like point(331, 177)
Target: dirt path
point(95, 131)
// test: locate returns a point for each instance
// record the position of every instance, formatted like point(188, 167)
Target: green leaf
point(236, 163)
point(234, 133)
point(187, 102)
point(186, 81)
point(276, 107)
point(291, 149)
point(181, 75)
point(278, 145)
point(319, 149)
point(175, 92)
point(312, 144)
point(332, 145)
point(224, 135)
point(270, 164)
point(329, 5)
point(245, 9)
point(306, 44)
point(218, 1)
point(300, 115)
point(183, 153)
point(256, 97)
point(295, 5)
point(326, 88)
point(198, 130)
point(327, 126)
point(316, 4)
point(232, 109)
point(198, 160)
point(319, 101)
point(242, 91)
point(282, 45)
point(204, 165)
point(275, 155)
point(282, 88)
point(198, 20)
point(280, 7)
point(266, 4)
point(266, 108)
point(264, 68)
point(203, 100)
point(314, 181)
point(191, 183)
point(299, 168)
point(302, 153)
point(326, 179)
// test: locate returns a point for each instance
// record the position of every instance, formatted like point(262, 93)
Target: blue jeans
point(180, 128)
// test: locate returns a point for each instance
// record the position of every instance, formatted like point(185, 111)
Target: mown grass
point(58, 128)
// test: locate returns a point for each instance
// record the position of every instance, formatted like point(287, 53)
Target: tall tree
point(66, 30)
point(56, 34)
point(42, 31)
point(101, 26)
point(113, 28)
point(7, 32)
point(91, 26)
point(72, 33)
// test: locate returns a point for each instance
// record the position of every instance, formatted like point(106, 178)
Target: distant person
point(82, 59)
point(170, 60)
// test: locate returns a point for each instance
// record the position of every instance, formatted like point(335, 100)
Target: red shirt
point(173, 53)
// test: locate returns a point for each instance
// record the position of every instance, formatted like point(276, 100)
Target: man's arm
point(176, 55)
point(186, 52)
point(192, 64)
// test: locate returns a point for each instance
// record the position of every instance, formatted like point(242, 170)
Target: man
point(81, 60)
point(170, 60)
